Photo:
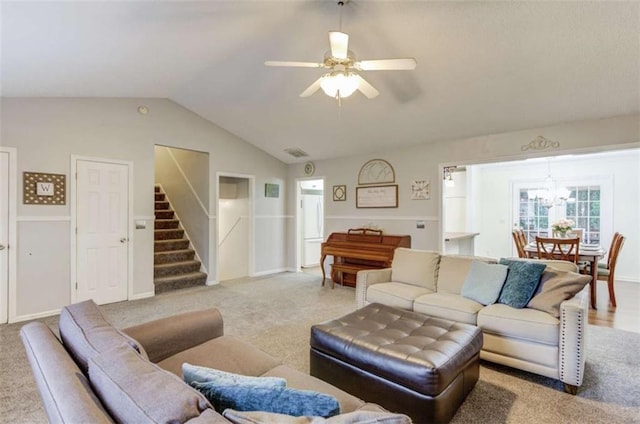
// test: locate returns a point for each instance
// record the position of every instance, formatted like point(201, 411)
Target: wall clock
point(309, 169)
point(376, 171)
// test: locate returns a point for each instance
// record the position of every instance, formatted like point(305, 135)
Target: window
point(589, 206)
point(585, 211)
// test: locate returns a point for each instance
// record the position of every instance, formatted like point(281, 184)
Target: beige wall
point(47, 131)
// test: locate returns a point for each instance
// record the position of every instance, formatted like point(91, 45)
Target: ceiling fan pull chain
point(341, 4)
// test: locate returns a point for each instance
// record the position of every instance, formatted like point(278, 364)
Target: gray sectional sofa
point(96, 373)
point(548, 341)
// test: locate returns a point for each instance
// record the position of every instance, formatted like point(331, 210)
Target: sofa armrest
point(166, 337)
point(366, 278)
point(65, 391)
point(574, 315)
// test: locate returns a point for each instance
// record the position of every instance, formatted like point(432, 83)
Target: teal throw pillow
point(281, 400)
point(191, 373)
point(522, 281)
point(484, 282)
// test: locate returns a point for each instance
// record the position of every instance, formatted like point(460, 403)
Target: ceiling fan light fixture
point(339, 84)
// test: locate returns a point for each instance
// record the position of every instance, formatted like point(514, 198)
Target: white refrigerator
point(312, 228)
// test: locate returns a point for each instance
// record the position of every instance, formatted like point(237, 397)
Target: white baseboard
point(142, 295)
point(28, 317)
point(212, 283)
point(272, 271)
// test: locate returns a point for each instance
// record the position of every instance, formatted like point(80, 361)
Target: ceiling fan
point(343, 79)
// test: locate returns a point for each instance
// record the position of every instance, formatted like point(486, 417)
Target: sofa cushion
point(448, 306)
point(555, 287)
point(453, 270)
point(484, 282)
point(400, 295)
point(415, 267)
point(85, 332)
point(525, 324)
point(522, 281)
point(225, 353)
point(281, 400)
point(191, 373)
point(363, 417)
point(127, 384)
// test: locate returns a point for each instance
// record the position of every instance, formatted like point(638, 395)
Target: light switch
point(141, 225)
point(420, 224)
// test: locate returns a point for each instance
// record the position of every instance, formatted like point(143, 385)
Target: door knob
point(1, 246)
point(123, 240)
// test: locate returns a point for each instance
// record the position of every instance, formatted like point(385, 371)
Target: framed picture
point(376, 171)
point(271, 190)
point(339, 193)
point(383, 196)
point(40, 188)
point(420, 190)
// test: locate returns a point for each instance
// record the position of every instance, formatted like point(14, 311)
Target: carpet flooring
point(275, 313)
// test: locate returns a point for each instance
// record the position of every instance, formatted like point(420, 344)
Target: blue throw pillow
point(484, 282)
point(191, 373)
point(281, 400)
point(522, 281)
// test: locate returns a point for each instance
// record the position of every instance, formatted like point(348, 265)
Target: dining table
point(587, 253)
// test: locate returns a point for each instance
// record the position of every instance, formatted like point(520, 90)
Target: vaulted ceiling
point(484, 67)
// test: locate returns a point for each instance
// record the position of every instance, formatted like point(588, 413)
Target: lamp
point(340, 83)
point(550, 195)
point(448, 177)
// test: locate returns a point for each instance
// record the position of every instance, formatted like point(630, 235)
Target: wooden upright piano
point(358, 249)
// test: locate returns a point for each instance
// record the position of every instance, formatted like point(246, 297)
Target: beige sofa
point(527, 339)
point(96, 373)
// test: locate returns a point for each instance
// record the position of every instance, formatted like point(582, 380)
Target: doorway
point(100, 216)
point(310, 222)
point(235, 226)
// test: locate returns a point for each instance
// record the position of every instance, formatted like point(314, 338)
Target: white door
point(102, 224)
point(4, 235)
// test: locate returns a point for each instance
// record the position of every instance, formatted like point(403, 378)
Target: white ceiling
point(483, 67)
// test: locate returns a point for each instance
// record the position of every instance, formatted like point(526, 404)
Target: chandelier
point(550, 195)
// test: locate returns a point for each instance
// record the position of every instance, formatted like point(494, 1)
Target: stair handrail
point(235, 224)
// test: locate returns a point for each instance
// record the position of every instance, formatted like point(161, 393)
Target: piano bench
point(346, 269)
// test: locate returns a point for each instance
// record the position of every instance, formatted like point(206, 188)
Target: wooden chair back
point(564, 249)
point(520, 240)
point(609, 276)
point(612, 249)
point(615, 251)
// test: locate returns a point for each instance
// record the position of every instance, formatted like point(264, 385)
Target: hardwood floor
point(626, 316)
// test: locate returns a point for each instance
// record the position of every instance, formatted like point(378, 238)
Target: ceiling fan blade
point(405, 64)
point(367, 89)
point(294, 64)
point(339, 42)
point(312, 88)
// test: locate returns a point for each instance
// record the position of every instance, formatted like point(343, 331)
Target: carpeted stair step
point(173, 256)
point(170, 234)
point(167, 214)
point(160, 197)
point(170, 245)
point(175, 268)
point(165, 224)
point(161, 206)
point(156, 189)
point(166, 284)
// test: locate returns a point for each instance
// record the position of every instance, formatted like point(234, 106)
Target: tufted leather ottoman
point(405, 361)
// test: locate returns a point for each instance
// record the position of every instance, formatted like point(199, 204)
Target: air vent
point(296, 152)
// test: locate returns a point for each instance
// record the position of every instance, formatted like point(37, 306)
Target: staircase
point(174, 266)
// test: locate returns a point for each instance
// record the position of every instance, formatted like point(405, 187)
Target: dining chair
point(520, 240)
point(564, 249)
point(607, 272)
